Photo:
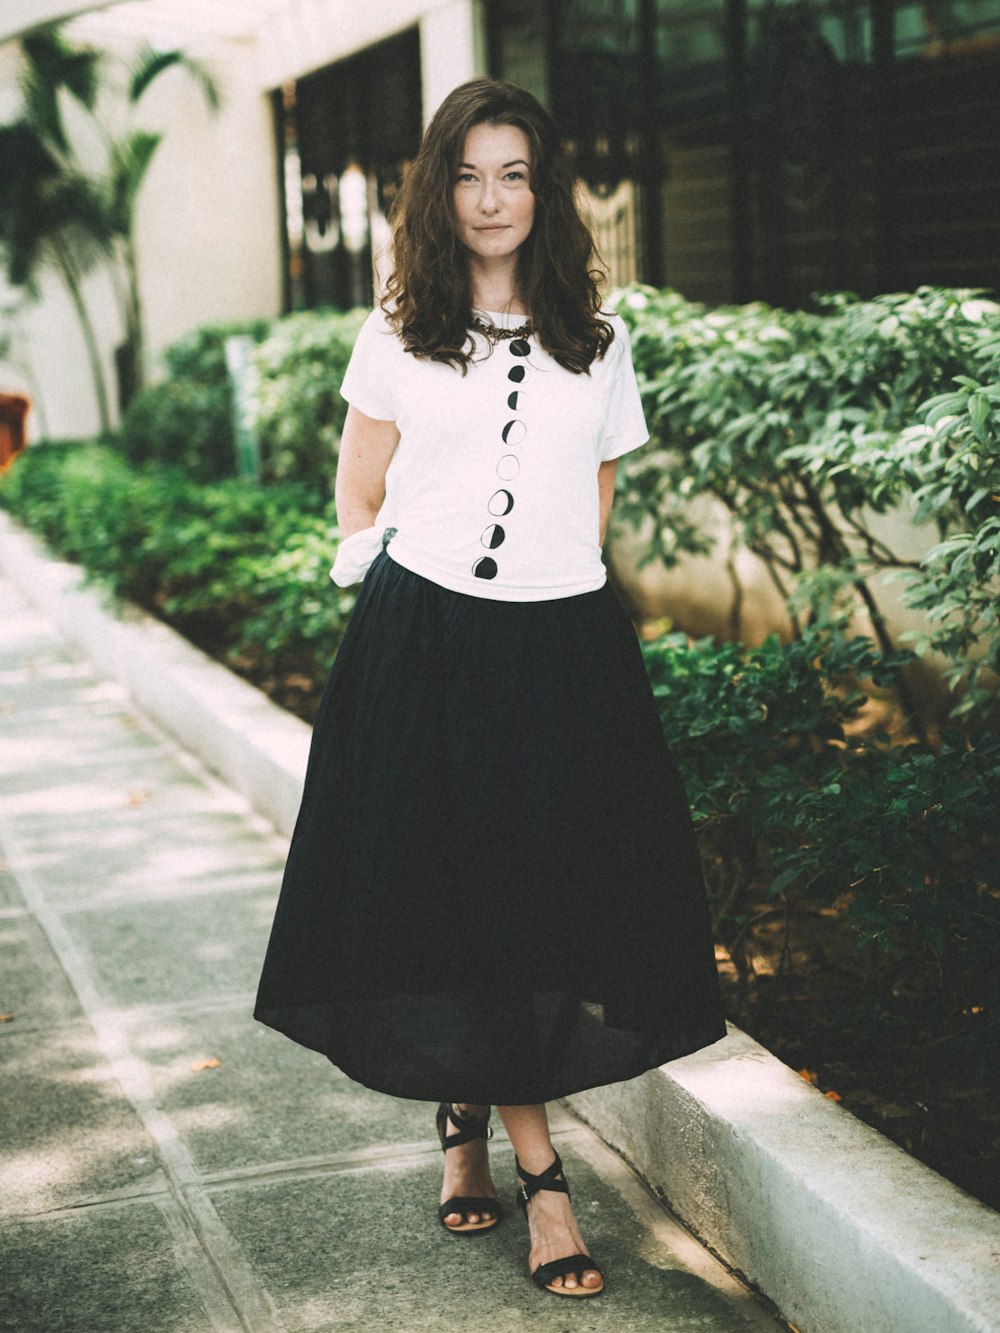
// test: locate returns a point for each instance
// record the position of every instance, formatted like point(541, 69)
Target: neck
point(495, 288)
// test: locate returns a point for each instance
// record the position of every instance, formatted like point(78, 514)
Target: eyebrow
point(518, 161)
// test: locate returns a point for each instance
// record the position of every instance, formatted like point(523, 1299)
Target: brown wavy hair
point(428, 297)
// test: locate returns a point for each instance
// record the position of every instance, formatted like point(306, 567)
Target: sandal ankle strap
point(529, 1185)
point(468, 1127)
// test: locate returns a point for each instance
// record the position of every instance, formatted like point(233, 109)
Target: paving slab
point(10, 894)
point(198, 947)
point(333, 1249)
point(70, 1134)
point(34, 988)
point(268, 1101)
point(137, 857)
point(104, 1271)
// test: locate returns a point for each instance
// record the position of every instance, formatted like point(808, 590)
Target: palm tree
point(128, 159)
point(55, 214)
point(51, 215)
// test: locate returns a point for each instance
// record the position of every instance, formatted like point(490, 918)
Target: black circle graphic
point(485, 567)
point(492, 536)
point(500, 503)
point(516, 374)
point(514, 432)
point(517, 401)
point(520, 347)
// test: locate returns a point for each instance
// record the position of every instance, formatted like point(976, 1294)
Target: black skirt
point(493, 891)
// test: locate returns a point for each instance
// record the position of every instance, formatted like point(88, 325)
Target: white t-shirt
point(492, 489)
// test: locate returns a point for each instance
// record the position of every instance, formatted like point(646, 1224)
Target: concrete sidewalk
point(145, 1188)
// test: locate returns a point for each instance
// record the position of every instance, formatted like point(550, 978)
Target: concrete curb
point(841, 1229)
point(258, 748)
point(833, 1222)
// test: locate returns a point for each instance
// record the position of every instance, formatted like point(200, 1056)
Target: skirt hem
point(491, 1096)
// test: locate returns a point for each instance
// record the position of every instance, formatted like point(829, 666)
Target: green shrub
point(33, 489)
point(242, 568)
point(186, 420)
point(792, 803)
point(805, 425)
point(298, 410)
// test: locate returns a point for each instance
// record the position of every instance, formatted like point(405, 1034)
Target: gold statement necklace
point(494, 335)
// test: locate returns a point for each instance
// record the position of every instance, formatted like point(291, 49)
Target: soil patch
point(872, 1041)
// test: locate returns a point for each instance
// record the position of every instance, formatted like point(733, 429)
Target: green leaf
point(152, 64)
point(131, 159)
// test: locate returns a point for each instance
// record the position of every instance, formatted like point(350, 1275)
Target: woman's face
point(494, 201)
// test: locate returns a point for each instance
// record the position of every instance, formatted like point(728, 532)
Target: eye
point(515, 175)
point(463, 177)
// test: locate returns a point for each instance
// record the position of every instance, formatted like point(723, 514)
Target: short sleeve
point(370, 378)
point(624, 422)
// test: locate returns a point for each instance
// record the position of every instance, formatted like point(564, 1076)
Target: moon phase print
point(513, 432)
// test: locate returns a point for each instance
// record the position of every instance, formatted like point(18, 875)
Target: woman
point(492, 895)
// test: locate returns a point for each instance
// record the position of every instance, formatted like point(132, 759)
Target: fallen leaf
point(210, 1063)
point(809, 1076)
point(138, 797)
point(6, 1018)
point(833, 1096)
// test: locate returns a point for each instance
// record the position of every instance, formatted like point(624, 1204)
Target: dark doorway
point(347, 134)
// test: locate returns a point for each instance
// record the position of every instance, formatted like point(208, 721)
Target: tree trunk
point(73, 286)
point(135, 339)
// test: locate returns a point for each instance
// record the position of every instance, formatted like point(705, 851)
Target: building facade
point(733, 149)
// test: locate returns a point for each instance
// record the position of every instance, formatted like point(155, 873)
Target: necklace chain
point(493, 334)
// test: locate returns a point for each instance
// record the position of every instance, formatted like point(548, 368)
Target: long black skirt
point(493, 892)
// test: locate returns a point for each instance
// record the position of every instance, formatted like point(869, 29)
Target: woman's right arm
point(366, 450)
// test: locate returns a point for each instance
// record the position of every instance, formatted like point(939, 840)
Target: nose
point(489, 199)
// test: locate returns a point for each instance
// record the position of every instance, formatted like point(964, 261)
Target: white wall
point(452, 49)
point(209, 217)
point(208, 224)
point(305, 35)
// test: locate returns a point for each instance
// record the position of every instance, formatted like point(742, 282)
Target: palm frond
point(130, 159)
point(51, 65)
point(152, 64)
point(44, 213)
point(24, 156)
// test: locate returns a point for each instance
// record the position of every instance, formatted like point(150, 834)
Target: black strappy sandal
point(545, 1274)
point(469, 1127)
